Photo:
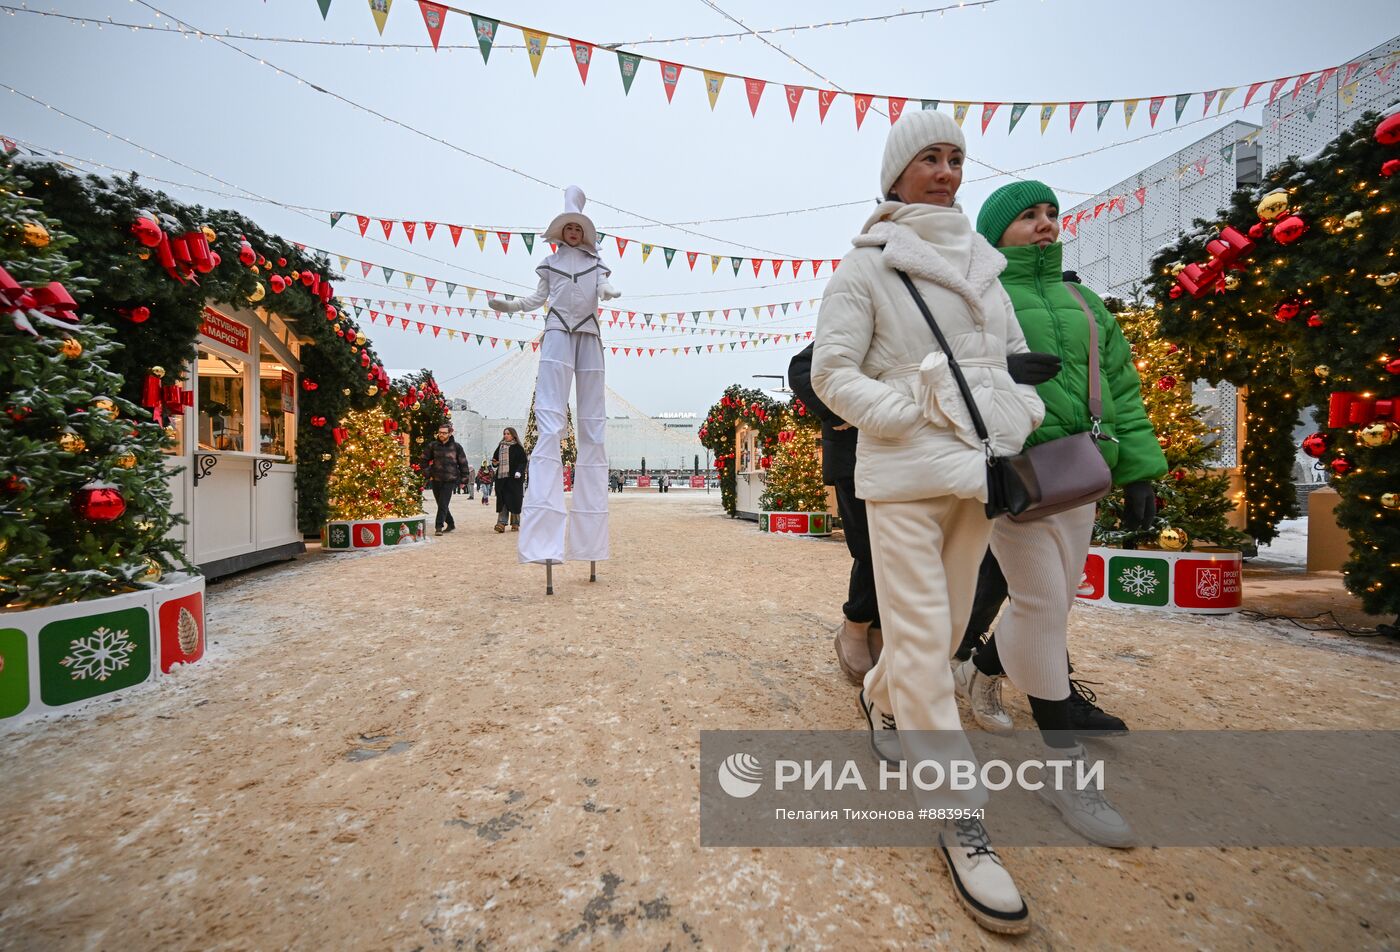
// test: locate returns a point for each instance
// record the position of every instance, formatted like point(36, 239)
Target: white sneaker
point(884, 734)
point(980, 881)
point(1086, 811)
point(983, 695)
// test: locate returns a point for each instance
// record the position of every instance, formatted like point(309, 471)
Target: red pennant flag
point(1074, 108)
point(436, 330)
point(627, 352)
point(373, 316)
point(1276, 88)
point(1327, 74)
point(1141, 195)
point(757, 263)
point(989, 109)
point(1155, 107)
point(456, 231)
point(794, 98)
point(428, 227)
point(1250, 95)
point(896, 108)
point(834, 263)
point(795, 266)
point(433, 16)
point(505, 240)
point(754, 87)
point(816, 266)
point(691, 256)
point(824, 99)
point(403, 323)
point(862, 107)
point(1098, 208)
point(431, 282)
point(1071, 225)
point(363, 222)
point(364, 268)
point(621, 245)
point(670, 75)
point(1351, 71)
point(583, 56)
point(1298, 86)
point(420, 326)
point(388, 227)
point(408, 229)
point(613, 349)
point(776, 265)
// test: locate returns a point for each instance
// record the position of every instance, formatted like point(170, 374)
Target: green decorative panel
point(14, 672)
point(97, 654)
point(1138, 581)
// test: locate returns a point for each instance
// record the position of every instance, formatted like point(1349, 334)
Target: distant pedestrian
point(445, 463)
point(484, 476)
point(512, 465)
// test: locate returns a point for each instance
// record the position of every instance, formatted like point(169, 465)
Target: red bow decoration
point(1352, 409)
point(1225, 252)
point(339, 434)
point(175, 399)
point(52, 300)
point(318, 421)
point(390, 426)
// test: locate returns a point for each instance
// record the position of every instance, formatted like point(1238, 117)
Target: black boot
point(1088, 718)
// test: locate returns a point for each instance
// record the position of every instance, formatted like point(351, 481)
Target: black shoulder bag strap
point(966, 391)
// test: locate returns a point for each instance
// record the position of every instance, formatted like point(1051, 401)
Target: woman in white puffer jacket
point(920, 466)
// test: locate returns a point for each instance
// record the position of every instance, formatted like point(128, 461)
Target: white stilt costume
point(572, 280)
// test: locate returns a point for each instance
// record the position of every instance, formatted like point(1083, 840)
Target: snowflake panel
point(1138, 581)
point(96, 654)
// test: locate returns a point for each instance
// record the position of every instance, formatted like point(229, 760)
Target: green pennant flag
point(1312, 113)
point(670, 253)
point(1104, 106)
point(388, 273)
point(522, 344)
point(478, 338)
point(1017, 111)
point(1181, 102)
point(485, 34)
point(529, 238)
point(742, 312)
point(785, 307)
point(646, 319)
point(1227, 154)
point(450, 288)
point(627, 63)
point(696, 316)
point(358, 310)
point(325, 7)
point(336, 217)
point(736, 262)
point(929, 103)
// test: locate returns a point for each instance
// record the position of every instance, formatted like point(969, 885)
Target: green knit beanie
point(1002, 206)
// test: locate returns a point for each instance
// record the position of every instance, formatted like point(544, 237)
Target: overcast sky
point(239, 119)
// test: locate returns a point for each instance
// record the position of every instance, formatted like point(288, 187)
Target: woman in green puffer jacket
point(1043, 560)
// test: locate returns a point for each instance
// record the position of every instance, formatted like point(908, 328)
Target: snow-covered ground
point(1289, 548)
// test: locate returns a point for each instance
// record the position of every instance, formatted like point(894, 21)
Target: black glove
point(1139, 506)
point(1032, 367)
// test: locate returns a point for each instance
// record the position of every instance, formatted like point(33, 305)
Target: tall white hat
point(574, 200)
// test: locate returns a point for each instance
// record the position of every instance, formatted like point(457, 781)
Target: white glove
point(500, 304)
point(606, 292)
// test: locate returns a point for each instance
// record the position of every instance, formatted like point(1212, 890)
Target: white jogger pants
point(566, 357)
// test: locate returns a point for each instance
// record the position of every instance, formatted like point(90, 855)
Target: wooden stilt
point(593, 571)
point(549, 578)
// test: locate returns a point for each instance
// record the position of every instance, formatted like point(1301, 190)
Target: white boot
point(983, 695)
point(884, 733)
point(980, 881)
point(1086, 811)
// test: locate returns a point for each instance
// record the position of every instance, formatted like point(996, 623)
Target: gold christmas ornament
point(1178, 268)
point(209, 234)
point(4, 547)
point(126, 460)
point(171, 434)
point(71, 442)
point(1172, 539)
point(1377, 434)
point(103, 405)
point(336, 327)
point(360, 338)
point(1388, 500)
point(259, 292)
point(1323, 371)
point(373, 390)
point(296, 275)
point(1232, 282)
point(1273, 205)
point(1351, 220)
point(187, 632)
point(144, 255)
point(1387, 280)
point(34, 234)
point(70, 348)
point(345, 391)
point(325, 457)
point(158, 372)
point(152, 572)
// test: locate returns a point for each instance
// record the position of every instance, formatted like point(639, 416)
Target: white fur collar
point(905, 251)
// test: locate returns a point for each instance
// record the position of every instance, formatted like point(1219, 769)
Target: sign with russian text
point(224, 330)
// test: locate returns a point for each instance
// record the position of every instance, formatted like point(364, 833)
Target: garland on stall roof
point(751, 407)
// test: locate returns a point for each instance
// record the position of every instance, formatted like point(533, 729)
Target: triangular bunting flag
point(1275, 88)
point(794, 98)
point(1141, 196)
point(433, 16)
point(1046, 111)
point(754, 89)
point(364, 268)
point(960, 111)
point(736, 262)
point(989, 109)
point(714, 263)
point(325, 7)
point(363, 222)
point(583, 56)
point(409, 227)
point(380, 9)
point(621, 245)
point(776, 266)
point(896, 108)
point(1074, 109)
point(1209, 98)
point(1348, 92)
point(1102, 108)
point(529, 238)
point(1181, 102)
point(627, 64)
point(485, 34)
point(344, 263)
point(670, 75)
point(928, 103)
point(1129, 108)
point(757, 263)
point(505, 240)
point(408, 283)
point(1224, 95)
point(646, 252)
point(1298, 86)
point(691, 256)
point(534, 45)
point(480, 238)
point(388, 227)
point(336, 217)
point(1017, 111)
point(1327, 74)
point(1250, 95)
point(1351, 71)
point(388, 273)
point(824, 100)
point(713, 83)
point(456, 232)
point(862, 107)
point(1153, 108)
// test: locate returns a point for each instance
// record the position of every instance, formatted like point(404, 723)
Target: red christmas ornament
point(766, 462)
point(1258, 230)
point(147, 231)
point(98, 503)
point(1315, 445)
point(1286, 311)
point(14, 485)
point(279, 283)
point(1289, 230)
point(1166, 383)
point(215, 259)
point(1341, 465)
point(246, 255)
point(1393, 366)
point(140, 314)
point(318, 421)
point(17, 413)
point(1315, 320)
point(308, 384)
point(281, 262)
point(330, 312)
point(1390, 167)
point(1176, 291)
point(307, 278)
point(1172, 348)
point(1388, 132)
point(1178, 474)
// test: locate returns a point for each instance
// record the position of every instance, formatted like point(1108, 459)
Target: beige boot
point(877, 645)
point(853, 650)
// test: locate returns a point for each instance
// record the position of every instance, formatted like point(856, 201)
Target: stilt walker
point(572, 280)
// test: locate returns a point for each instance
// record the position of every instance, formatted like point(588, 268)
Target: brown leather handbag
point(1050, 477)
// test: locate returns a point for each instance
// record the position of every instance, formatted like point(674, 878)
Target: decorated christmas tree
point(738, 405)
point(1291, 292)
point(372, 478)
point(86, 508)
point(568, 447)
point(417, 409)
point(794, 468)
point(1193, 501)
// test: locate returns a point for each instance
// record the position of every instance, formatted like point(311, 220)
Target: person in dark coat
point(445, 463)
point(859, 642)
point(511, 464)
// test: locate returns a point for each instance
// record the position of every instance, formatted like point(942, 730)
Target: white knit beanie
point(915, 131)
